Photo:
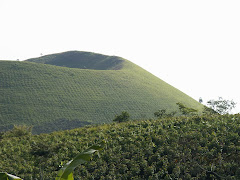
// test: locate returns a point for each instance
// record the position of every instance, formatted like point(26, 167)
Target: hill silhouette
point(74, 88)
point(82, 60)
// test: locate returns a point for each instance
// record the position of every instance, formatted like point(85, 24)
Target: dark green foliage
point(44, 150)
point(186, 147)
point(123, 117)
point(186, 110)
point(209, 111)
point(18, 131)
point(6, 176)
point(162, 113)
point(1, 135)
point(66, 172)
point(39, 94)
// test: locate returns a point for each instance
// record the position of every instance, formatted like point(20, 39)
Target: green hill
point(57, 91)
point(82, 60)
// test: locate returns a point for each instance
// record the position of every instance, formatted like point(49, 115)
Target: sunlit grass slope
point(52, 97)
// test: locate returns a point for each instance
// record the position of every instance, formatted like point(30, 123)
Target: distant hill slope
point(82, 60)
point(41, 93)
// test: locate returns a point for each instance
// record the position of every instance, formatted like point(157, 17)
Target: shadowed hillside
point(82, 60)
point(42, 92)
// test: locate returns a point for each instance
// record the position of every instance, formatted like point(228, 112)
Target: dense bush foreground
point(199, 147)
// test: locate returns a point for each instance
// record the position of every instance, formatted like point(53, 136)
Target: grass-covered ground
point(82, 60)
point(49, 96)
point(198, 147)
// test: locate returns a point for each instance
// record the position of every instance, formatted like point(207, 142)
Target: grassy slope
point(35, 93)
point(81, 60)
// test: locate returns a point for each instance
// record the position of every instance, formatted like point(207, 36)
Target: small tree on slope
point(122, 117)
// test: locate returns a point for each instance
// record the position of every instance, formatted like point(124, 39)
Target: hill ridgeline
point(72, 89)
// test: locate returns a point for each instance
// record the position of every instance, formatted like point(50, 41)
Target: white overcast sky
point(193, 45)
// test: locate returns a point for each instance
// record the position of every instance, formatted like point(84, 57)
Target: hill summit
point(73, 89)
point(81, 60)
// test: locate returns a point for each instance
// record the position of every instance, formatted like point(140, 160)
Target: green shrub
point(66, 171)
point(186, 110)
point(162, 113)
point(6, 176)
point(122, 117)
point(18, 131)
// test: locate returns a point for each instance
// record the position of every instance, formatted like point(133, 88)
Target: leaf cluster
point(185, 110)
point(162, 113)
point(123, 117)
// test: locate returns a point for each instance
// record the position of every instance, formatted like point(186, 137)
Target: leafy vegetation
point(47, 96)
point(125, 116)
point(162, 113)
point(6, 176)
point(186, 110)
point(66, 172)
point(18, 131)
point(185, 147)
